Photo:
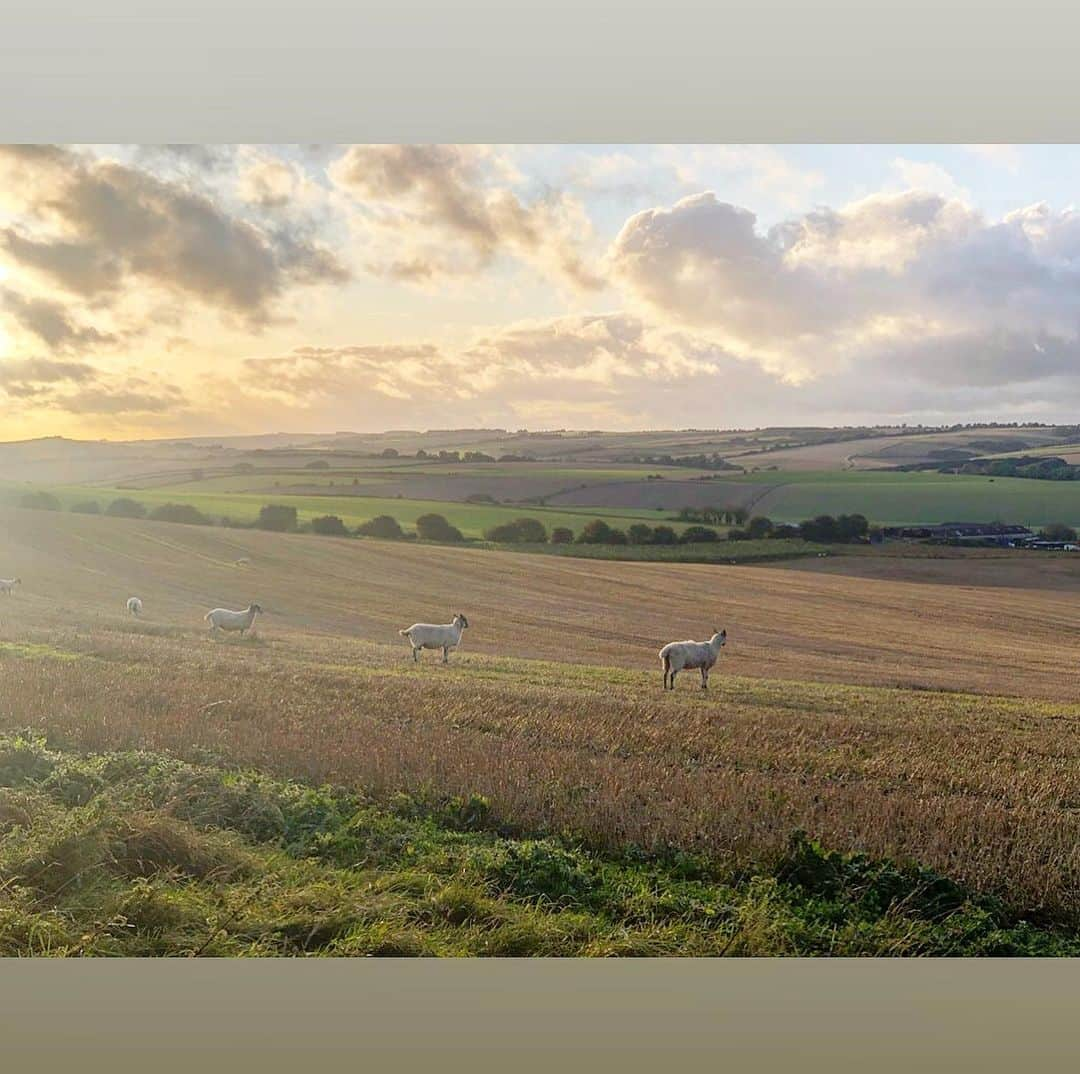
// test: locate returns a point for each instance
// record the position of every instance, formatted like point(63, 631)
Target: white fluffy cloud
point(914, 279)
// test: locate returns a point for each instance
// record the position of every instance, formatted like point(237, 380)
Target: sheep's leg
point(704, 678)
point(415, 657)
point(446, 654)
point(672, 678)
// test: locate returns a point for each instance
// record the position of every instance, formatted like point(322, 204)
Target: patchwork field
point(919, 723)
point(471, 519)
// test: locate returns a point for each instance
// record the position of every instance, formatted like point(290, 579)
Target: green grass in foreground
point(140, 854)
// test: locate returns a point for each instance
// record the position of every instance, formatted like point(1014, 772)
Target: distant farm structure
point(978, 534)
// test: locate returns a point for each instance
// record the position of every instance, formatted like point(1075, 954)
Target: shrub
point(329, 526)
point(520, 531)
point(87, 507)
point(595, 532)
point(126, 508)
point(480, 497)
point(40, 501)
point(383, 526)
point(784, 531)
point(179, 512)
point(617, 537)
point(318, 464)
point(851, 528)
point(640, 533)
point(759, 526)
point(698, 535)
point(562, 535)
point(821, 529)
point(436, 528)
point(1057, 531)
point(664, 535)
point(278, 517)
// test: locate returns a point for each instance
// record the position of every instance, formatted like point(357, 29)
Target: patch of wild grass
point(139, 853)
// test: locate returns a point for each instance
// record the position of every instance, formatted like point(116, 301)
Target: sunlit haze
point(190, 290)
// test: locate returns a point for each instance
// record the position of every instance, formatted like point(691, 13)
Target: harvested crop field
point(920, 723)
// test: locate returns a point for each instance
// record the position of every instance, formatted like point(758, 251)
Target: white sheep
point(134, 605)
point(677, 655)
point(7, 585)
point(223, 619)
point(433, 636)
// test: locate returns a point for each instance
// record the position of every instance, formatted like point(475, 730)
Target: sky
point(164, 291)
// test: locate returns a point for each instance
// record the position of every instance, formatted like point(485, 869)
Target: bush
point(821, 529)
point(698, 535)
point(329, 526)
point(318, 464)
point(640, 533)
point(279, 517)
point(617, 537)
point(480, 497)
point(86, 507)
point(436, 528)
point(126, 508)
point(383, 526)
point(595, 532)
point(520, 531)
point(562, 535)
point(1057, 531)
point(852, 528)
point(40, 501)
point(759, 526)
point(664, 535)
point(179, 512)
point(784, 531)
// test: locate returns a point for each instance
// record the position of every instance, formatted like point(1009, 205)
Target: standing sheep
point(677, 655)
point(432, 636)
point(134, 605)
point(223, 619)
point(7, 585)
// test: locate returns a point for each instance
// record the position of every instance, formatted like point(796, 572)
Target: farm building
point(977, 533)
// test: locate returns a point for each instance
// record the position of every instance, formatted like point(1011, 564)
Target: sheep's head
point(461, 620)
point(256, 608)
point(719, 638)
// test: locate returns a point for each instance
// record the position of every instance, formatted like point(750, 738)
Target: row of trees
point(283, 518)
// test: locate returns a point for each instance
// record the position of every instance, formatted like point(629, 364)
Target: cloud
point(49, 322)
point(927, 176)
point(613, 365)
point(75, 387)
point(912, 280)
point(455, 209)
point(36, 376)
point(96, 228)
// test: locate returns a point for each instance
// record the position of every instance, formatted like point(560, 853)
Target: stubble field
point(937, 725)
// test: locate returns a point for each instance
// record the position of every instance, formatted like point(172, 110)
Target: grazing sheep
point(432, 636)
point(677, 655)
point(7, 585)
point(243, 561)
point(223, 619)
point(134, 605)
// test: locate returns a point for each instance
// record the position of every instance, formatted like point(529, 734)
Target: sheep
point(134, 605)
point(7, 585)
point(431, 636)
point(223, 619)
point(677, 655)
